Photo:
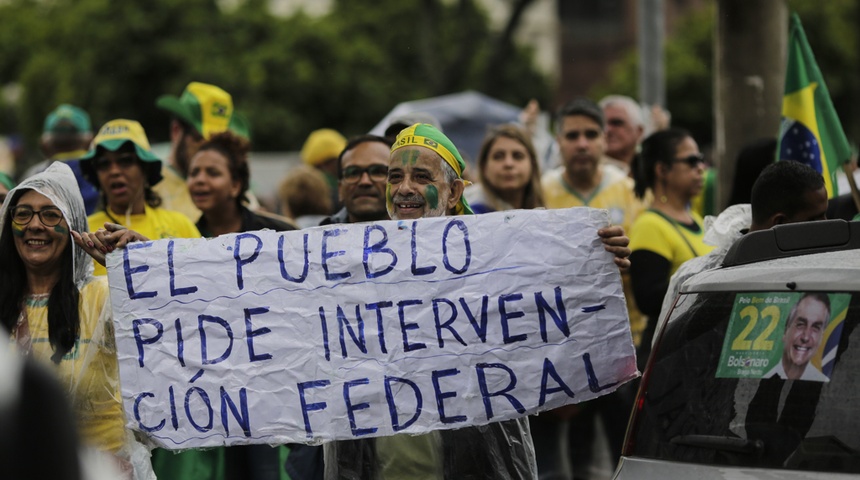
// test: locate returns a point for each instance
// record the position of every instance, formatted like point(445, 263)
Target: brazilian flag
point(810, 131)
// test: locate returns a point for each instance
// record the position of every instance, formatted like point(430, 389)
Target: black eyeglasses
point(693, 160)
point(590, 134)
point(102, 164)
point(615, 122)
point(49, 216)
point(377, 173)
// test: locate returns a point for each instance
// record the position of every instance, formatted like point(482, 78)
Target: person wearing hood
point(122, 166)
point(53, 308)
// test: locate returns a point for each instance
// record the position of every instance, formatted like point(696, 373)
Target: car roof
point(831, 271)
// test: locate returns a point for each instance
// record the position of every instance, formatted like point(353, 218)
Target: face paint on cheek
point(432, 196)
point(17, 230)
point(389, 201)
point(61, 230)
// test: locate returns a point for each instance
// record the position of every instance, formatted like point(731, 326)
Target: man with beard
point(425, 179)
point(584, 179)
point(362, 171)
point(201, 111)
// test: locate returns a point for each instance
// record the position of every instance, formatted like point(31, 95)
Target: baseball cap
point(207, 108)
point(321, 145)
point(67, 119)
point(113, 135)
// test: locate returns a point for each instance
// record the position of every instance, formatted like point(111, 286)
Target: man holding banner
point(425, 180)
point(412, 348)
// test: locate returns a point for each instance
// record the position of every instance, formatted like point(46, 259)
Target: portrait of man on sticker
point(804, 329)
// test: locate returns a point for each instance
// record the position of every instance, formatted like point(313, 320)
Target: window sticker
point(787, 335)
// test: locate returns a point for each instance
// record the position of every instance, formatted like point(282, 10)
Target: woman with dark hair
point(669, 232)
point(218, 179)
point(53, 308)
point(123, 168)
point(509, 172)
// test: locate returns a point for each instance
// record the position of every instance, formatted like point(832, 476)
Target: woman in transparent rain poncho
point(58, 313)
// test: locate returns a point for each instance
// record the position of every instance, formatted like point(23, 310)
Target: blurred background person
point(6, 184)
point(400, 122)
point(510, 179)
point(669, 232)
point(751, 160)
point(66, 136)
point(320, 150)
point(305, 196)
point(56, 311)
point(218, 178)
point(121, 164)
point(201, 111)
point(508, 171)
point(624, 128)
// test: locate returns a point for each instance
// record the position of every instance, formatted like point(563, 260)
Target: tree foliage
point(289, 76)
point(830, 28)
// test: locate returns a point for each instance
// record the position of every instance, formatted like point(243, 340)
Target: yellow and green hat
point(428, 136)
point(207, 108)
point(113, 135)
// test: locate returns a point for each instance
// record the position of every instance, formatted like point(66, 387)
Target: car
point(756, 371)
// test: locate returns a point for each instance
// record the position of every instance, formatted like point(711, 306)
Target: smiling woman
point(123, 168)
point(53, 308)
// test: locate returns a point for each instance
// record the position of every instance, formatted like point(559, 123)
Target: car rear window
point(717, 391)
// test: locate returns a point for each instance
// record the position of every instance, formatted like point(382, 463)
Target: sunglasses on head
point(378, 173)
point(693, 160)
point(102, 164)
point(590, 134)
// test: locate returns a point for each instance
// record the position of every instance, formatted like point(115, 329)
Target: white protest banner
point(349, 331)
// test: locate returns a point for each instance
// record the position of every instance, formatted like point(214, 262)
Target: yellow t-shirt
point(671, 240)
point(89, 371)
point(615, 193)
point(153, 223)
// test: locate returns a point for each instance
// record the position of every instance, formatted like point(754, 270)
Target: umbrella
point(464, 117)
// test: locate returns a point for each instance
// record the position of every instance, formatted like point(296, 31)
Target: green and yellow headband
point(428, 136)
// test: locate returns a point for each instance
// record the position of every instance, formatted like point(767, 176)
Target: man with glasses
point(362, 170)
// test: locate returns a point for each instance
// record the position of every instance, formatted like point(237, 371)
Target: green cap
point(67, 119)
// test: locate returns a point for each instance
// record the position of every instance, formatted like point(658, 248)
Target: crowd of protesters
point(99, 189)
